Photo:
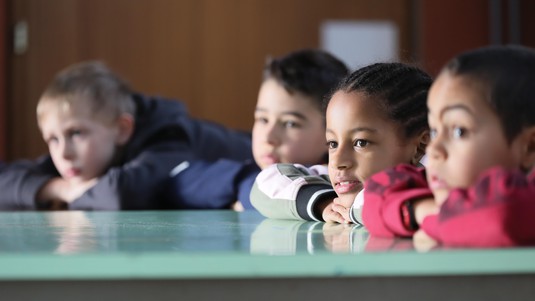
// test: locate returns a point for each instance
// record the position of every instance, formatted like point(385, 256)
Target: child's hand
point(237, 206)
point(331, 216)
point(345, 201)
point(343, 205)
point(59, 189)
point(75, 190)
point(423, 242)
point(423, 208)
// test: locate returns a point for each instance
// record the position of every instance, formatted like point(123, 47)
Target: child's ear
point(528, 156)
point(125, 125)
point(422, 140)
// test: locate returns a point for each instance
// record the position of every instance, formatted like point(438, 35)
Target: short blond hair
point(92, 84)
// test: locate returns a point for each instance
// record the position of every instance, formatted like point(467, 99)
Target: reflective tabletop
point(221, 244)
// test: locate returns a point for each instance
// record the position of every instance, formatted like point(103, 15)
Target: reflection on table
point(198, 255)
point(65, 232)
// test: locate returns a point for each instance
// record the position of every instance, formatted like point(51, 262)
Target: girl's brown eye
point(291, 124)
point(332, 144)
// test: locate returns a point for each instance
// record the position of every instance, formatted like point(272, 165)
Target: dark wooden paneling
point(208, 53)
point(450, 27)
point(3, 79)
point(527, 22)
point(53, 43)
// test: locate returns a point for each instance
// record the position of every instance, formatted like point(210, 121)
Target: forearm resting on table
point(423, 208)
point(59, 189)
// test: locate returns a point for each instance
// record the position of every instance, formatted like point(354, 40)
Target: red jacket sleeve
point(499, 210)
point(385, 192)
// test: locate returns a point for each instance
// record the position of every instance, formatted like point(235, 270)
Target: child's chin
point(440, 196)
point(76, 180)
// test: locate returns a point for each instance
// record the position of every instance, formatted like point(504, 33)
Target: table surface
point(222, 244)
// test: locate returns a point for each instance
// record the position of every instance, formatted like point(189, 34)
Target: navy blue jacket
point(202, 184)
point(164, 137)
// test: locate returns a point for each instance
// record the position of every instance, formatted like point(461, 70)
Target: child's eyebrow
point(363, 129)
point(455, 107)
point(358, 129)
point(292, 113)
point(295, 114)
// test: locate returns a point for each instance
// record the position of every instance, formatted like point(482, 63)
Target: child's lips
point(347, 186)
point(435, 183)
point(72, 172)
point(271, 159)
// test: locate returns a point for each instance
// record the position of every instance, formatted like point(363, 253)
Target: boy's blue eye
point(74, 133)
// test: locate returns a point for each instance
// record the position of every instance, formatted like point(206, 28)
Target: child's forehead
point(62, 106)
point(57, 110)
point(355, 110)
point(356, 102)
point(450, 90)
point(275, 98)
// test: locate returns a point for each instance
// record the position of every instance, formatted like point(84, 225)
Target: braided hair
point(399, 90)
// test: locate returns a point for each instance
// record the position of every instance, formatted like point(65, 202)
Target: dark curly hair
point(399, 90)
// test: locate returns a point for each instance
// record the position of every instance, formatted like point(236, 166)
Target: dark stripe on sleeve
point(305, 196)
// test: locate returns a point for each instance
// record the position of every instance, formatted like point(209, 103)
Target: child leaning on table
point(477, 189)
point(289, 126)
point(109, 148)
point(376, 118)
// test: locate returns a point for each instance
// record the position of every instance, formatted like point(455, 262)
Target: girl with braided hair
point(376, 118)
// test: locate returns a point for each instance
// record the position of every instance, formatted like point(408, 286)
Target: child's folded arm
point(385, 193)
point(21, 181)
point(136, 184)
point(290, 191)
point(497, 211)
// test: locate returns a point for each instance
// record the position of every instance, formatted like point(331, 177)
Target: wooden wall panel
point(3, 78)
point(52, 45)
point(450, 27)
point(208, 53)
point(527, 22)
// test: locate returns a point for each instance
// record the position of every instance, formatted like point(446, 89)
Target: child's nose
point(342, 158)
point(273, 134)
point(67, 150)
point(435, 150)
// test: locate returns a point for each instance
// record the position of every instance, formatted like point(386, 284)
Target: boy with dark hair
point(289, 127)
point(478, 187)
point(110, 148)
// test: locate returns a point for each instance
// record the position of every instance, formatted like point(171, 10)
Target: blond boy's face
point(466, 136)
point(287, 129)
point(361, 142)
point(81, 146)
